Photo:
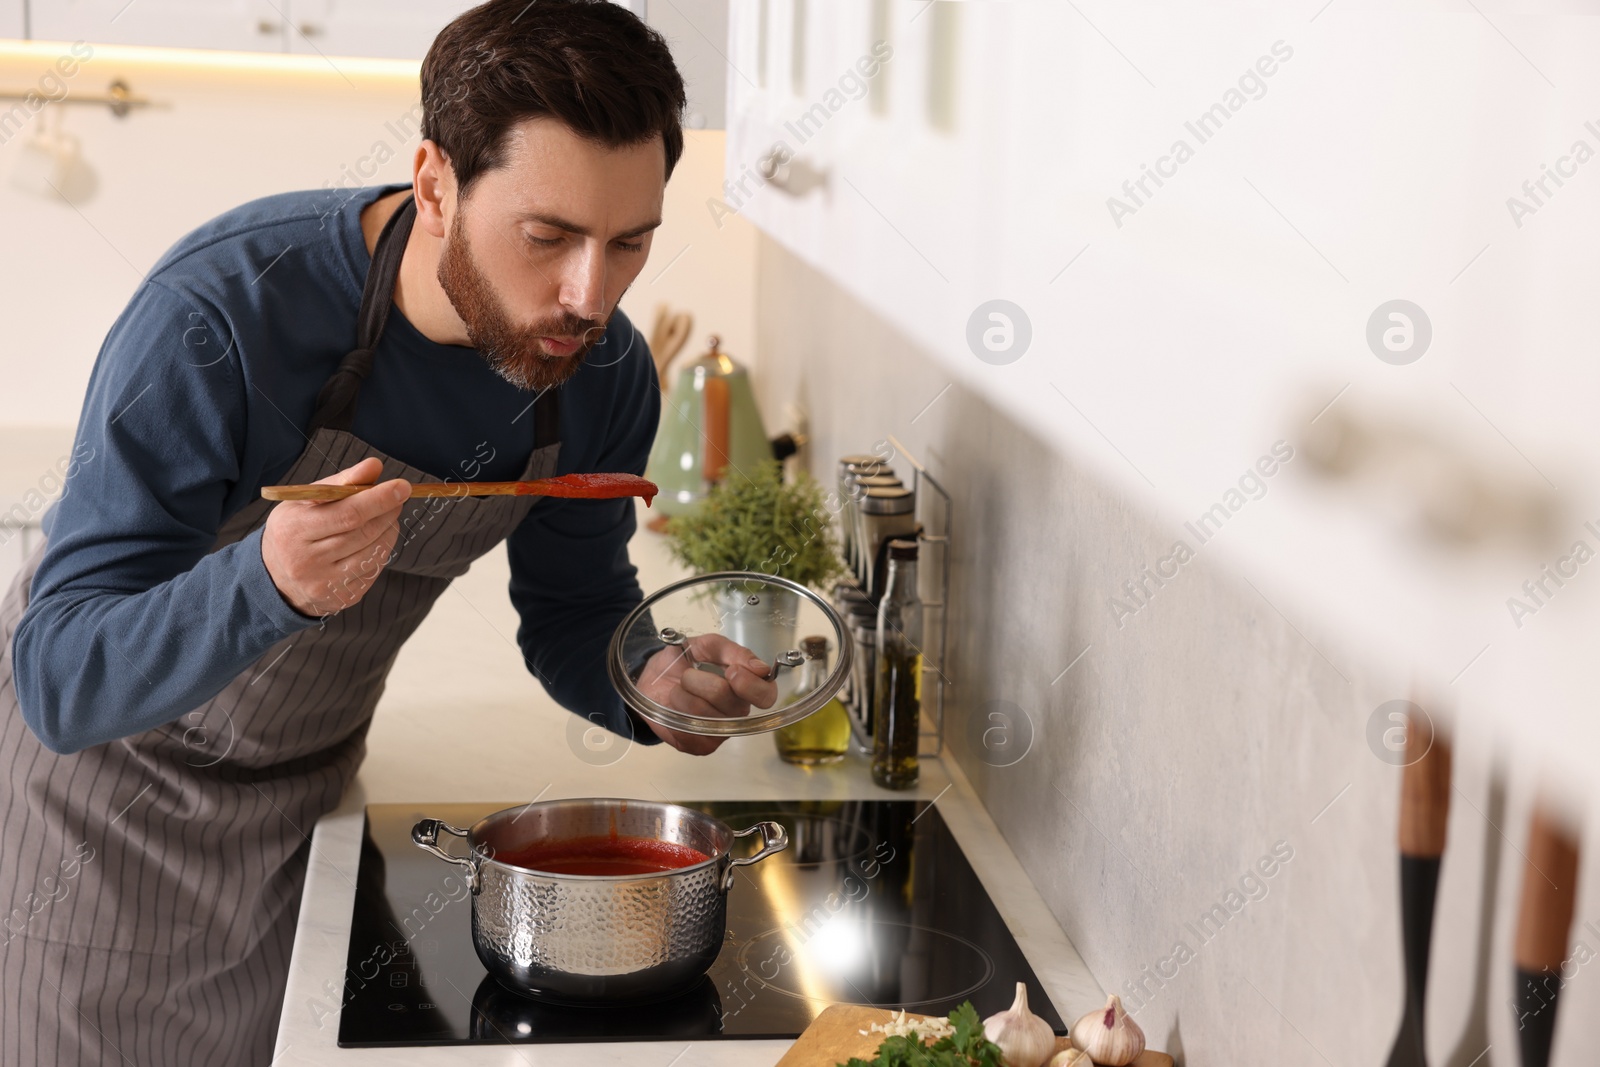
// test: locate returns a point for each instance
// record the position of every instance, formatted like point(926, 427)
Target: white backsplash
point(1189, 750)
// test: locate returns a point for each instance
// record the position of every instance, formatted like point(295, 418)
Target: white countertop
point(32, 459)
point(461, 721)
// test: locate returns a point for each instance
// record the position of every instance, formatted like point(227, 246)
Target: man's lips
point(561, 346)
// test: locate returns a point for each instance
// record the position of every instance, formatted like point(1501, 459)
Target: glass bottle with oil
point(897, 706)
point(824, 735)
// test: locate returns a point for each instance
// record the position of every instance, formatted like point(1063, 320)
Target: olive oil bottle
point(897, 707)
point(824, 735)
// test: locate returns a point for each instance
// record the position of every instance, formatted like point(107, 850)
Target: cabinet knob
point(268, 26)
point(789, 174)
point(310, 29)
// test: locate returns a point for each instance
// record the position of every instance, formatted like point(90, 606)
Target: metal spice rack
point(933, 512)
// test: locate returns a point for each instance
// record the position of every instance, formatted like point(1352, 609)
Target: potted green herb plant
point(754, 520)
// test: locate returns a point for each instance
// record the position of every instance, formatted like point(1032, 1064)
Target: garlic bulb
point(1108, 1035)
point(1025, 1040)
point(1071, 1057)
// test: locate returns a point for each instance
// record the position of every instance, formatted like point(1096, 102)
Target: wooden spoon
point(591, 486)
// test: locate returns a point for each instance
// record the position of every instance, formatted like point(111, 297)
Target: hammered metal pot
point(587, 938)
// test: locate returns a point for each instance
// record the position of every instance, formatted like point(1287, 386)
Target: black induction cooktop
point(873, 902)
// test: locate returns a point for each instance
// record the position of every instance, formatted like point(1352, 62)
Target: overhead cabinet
point(696, 30)
point(368, 27)
point(237, 25)
point(13, 21)
point(329, 27)
point(1169, 242)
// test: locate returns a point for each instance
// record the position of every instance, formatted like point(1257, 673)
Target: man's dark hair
point(592, 64)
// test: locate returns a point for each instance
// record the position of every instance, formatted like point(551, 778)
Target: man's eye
point(544, 242)
point(627, 246)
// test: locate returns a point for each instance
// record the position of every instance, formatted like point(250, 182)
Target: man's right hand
point(323, 555)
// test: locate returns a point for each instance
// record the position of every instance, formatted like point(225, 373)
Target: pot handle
point(774, 838)
point(425, 835)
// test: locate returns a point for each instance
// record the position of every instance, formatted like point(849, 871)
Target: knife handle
point(1549, 884)
point(1424, 790)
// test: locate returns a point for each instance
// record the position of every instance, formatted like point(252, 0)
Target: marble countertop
point(481, 729)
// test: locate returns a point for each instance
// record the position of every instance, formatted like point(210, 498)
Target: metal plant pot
point(588, 938)
point(761, 617)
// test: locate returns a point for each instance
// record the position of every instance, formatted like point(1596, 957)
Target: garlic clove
point(1071, 1057)
point(1109, 1035)
point(1025, 1040)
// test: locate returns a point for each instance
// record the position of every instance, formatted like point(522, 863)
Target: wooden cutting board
point(835, 1035)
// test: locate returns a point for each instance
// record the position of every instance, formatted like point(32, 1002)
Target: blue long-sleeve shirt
point(200, 396)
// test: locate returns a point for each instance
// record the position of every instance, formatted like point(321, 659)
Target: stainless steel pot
point(585, 938)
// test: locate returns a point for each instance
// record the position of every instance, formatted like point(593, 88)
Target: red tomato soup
point(603, 855)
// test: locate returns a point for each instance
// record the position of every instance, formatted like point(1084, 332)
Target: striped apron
point(151, 885)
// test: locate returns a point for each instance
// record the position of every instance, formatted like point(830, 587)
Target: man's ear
point(434, 182)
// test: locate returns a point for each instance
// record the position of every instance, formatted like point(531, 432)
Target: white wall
point(227, 133)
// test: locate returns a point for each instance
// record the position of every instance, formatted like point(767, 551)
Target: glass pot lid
point(763, 613)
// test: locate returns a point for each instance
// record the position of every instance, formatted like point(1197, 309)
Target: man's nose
point(583, 284)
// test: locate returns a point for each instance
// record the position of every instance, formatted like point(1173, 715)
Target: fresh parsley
point(966, 1048)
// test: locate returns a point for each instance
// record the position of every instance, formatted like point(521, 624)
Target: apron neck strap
point(336, 403)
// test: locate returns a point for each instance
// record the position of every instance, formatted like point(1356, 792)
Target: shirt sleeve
point(133, 621)
point(571, 579)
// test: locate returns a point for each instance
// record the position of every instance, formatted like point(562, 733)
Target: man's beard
point(512, 351)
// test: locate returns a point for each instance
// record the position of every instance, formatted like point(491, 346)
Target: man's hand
point(670, 681)
point(323, 555)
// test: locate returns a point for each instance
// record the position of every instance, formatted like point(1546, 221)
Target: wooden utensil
point(591, 486)
point(835, 1036)
point(1424, 812)
point(1549, 883)
point(667, 338)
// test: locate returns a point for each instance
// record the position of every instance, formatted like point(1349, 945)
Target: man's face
point(543, 247)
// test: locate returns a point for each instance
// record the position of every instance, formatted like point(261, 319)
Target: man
point(187, 673)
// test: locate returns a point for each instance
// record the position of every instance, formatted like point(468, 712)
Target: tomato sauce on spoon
point(591, 486)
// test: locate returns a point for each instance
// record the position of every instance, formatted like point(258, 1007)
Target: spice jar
point(863, 674)
point(887, 512)
point(850, 468)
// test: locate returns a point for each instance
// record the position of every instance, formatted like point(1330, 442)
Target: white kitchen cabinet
point(13, 18)
point(1202, 222)
point(697, 32)
point(328, 27)
point(237, 25)
point(379, 28)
